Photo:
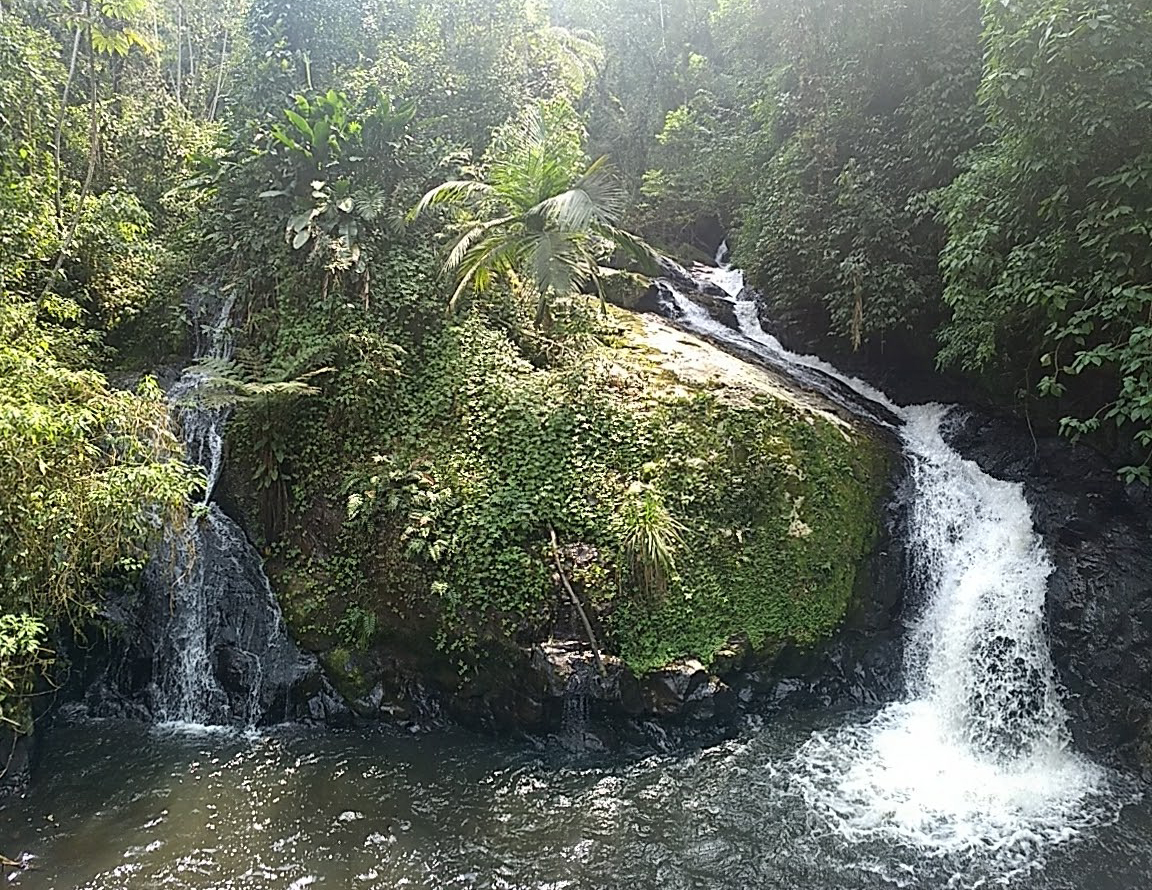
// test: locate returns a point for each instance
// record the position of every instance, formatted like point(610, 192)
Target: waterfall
point(220, 652)
point(977, 756)
point(574, 721)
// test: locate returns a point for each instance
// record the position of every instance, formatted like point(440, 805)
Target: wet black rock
point(16, 759)
point(1098, 533)
point(253, 674)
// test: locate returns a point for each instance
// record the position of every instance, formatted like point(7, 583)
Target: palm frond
point(224, 383)
point(560, 262)
point(633, 245)
point(497, 253)
point(570, 211)
point(533, 157)
point(449, 192)
point(465, 242)
point(594, 201)
point(603, 186)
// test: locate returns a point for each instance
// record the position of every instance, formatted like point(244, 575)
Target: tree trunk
point(219, 77)
point(543, 320)
point(94, 137)
point(191, 64)
point(59, 135)
point(179, 52)
point(663, 30)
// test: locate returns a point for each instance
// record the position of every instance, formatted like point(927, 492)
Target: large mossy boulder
point(700, 507)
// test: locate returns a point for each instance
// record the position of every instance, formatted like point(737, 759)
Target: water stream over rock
point(977, 757)
point(969, 779)
point(205, 644)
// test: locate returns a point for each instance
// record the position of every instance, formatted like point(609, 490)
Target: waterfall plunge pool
point(122, 805)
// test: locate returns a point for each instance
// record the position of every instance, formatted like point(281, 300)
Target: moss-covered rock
point(697, 502)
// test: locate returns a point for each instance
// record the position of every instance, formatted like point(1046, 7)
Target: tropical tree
point(1048, 259)
point(537, 209)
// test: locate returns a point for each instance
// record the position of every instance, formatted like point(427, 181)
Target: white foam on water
point(976, 763)
point(977, 760)
point(192, 729)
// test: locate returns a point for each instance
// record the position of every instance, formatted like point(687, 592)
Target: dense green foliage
point(770, 509)
point(416, 496)
point(947, 180)
point(88, 474)
point(961, 183)
point(535, 212)
point(1049, 252)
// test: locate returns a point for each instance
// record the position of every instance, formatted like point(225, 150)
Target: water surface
point(127, 806)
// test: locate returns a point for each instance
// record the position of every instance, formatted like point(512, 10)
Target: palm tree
point(536, 213)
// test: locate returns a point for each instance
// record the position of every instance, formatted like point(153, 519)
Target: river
point(122, 806)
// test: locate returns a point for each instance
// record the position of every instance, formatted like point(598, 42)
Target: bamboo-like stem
point(219, 77)
point(59, 134)
point(94, 136)
point(179, 51)
point(191, 62)
point(576, 602)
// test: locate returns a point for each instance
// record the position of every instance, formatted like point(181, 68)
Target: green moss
point(440, 525)
point(781, 510)
point(345, 674)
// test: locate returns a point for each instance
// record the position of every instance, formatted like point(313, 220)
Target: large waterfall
point(977, 756)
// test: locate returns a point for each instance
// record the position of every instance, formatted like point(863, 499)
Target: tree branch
point(576, 602)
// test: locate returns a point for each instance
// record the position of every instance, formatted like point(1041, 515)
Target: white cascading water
point(976, 760)
point(188, 692)
point(217, 596)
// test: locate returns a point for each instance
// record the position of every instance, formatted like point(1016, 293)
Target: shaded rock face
point(1098, 533)
point(202, 642)
point(903, 366)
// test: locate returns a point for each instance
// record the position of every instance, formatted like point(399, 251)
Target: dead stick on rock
point(576, 602)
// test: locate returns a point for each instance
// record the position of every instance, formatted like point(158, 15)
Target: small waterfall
point(574, 720)
point(220, 652)
point(977, 758)
point(724, 276)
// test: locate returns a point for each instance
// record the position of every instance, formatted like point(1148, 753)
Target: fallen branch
point(26, 862)
point(576, 602)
